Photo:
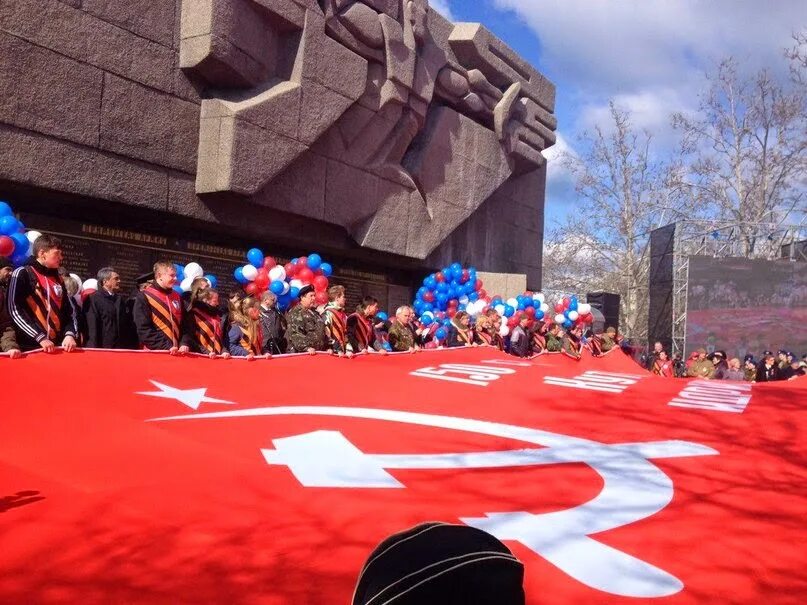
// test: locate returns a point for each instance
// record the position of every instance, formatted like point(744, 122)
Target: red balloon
point(530, 311)
point(269, 262)
point(453, 303)
point(302, 261)
point(439, 276)
point(251, 288)
point(6, 245)
point(452, 313)
point(566, 302)
point(290, 269)
point(429, 296)
point(465, 276)
point(262, 280)
point(479, 285)
point(320, 283)
point(558, 307)
point(321, 298)
point(86, 293)
point(482, 292)
point(305, 275)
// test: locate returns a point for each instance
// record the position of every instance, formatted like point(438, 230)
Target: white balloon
point(584, 308)
point(512, 302)
point(286, 287)
point(428, 314)
point(32, 235)
point(249, 271)
point(90, 284)
point(277, 273)
point(194, 270)
point(560, 318)
point(80, 283)
point(545, 307)
point(464, 300)
point(504, 330)
point(185, 286)
point(539, 296)
point(573, 315)
point(499, 309)
point(296, 283)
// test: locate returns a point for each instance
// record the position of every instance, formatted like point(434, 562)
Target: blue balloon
point(238, 274)
point(180, 271)
point(381, 316)
point(508, 311)
point(528, 302)
point(277, 287)
point(294, 261)
point(573, 304)
point(294, 293)
point(567, 324)
point(539, 314)
point(461, 307)
point(443, 287)
point(473, 296)
point(255, 257)
point(430, 282)
point(21, 243)
point(428, 307)
point(178, 290)
point(326, 268)
point(212, 280)
point(521, 306)
point(314, 261)
point(19, 258)
point(9, 225)
point(5, 209)
point(426, 320)
point(440, 333)
point(566, 313)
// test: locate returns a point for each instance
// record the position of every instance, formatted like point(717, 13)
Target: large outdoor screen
point(746, 306)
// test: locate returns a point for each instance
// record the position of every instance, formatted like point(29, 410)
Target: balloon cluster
point(446, 292)
point(570, 312)
point(285, 281)
point(15, 240)
point(531, 304)
point(186, 275)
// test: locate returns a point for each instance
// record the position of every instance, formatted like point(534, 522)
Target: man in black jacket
point(38, 301)
point(273, 326)
point(109, 325)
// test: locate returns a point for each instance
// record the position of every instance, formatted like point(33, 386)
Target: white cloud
point(611, 47)
point(443, 7)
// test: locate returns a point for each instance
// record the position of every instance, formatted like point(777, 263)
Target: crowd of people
point(784, 365)
point(39, 310)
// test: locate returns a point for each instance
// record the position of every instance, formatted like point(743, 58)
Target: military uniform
point(701, 368)
point(306, 330)
point(402, 337)
point(572, 346)
point(553, 343)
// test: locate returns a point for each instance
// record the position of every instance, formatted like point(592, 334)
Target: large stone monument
point(417, 137)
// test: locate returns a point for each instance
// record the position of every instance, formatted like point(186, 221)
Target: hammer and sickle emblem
point(633, 487)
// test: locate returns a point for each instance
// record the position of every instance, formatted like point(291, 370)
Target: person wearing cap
point(749, 369)
point(441, 564)
point(306, 328)
point(720, 364)
point(8, 338)
point(767, 370)
point(158, 313)
point(701, 367)
point(38, 301)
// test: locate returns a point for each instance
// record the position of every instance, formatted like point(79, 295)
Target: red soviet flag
point(139, 477)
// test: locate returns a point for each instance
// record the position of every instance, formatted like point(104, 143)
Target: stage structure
point(699, 269)
point(376, 131)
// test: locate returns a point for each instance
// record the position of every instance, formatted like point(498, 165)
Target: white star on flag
point(190, 397)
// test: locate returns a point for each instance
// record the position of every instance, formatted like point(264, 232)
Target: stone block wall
point(375, 130)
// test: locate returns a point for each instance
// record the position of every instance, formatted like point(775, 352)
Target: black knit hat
point(441, 564)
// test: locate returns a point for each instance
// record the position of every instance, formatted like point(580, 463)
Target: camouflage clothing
point(701, 369)
point(306, 330)
point(402, 337)
point(553, 343)
point(572, 346)
point(607, 342)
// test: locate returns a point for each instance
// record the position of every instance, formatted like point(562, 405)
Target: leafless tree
point(623, 192)
point(745, 152)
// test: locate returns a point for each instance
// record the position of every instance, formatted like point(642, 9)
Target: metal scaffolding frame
point(720, 239)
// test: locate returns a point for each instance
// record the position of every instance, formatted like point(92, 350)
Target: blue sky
point(650, 56)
